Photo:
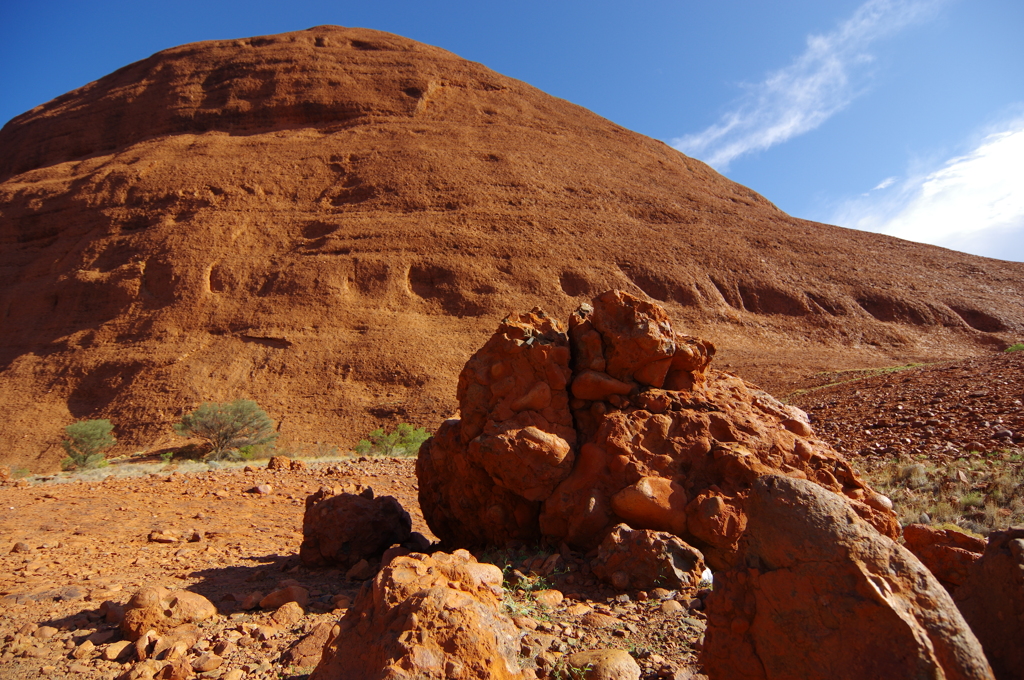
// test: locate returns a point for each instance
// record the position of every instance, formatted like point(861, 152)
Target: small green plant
point(1015, 347)
point(85, 444)
point(404, 441)
point(563, 671)
point(228, 427)
point(20, 472)
point(167, 456)
point(973, 499)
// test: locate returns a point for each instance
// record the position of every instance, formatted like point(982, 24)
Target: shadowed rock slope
point(328, 221)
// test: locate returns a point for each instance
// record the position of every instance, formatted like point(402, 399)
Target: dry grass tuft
point(978, 493)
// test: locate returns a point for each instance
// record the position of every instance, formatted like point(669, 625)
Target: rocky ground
point(71, 547)
point(944, 439)
point(232, 535)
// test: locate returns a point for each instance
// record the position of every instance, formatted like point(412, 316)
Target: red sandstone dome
point(330, 222)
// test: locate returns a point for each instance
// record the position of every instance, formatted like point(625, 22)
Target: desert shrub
point(404, 441)
point(1016, 347)
point(85, 444)
point(228, 427)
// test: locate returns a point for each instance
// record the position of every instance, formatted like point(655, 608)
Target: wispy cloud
point(973, 202)
point(885, 183)
point(818, 84)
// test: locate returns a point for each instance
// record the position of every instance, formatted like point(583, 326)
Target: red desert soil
point(330, 221)
point(81, 544)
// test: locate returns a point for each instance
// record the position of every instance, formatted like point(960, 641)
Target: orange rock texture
point(822, 595)
point(326, 221)
point(665, 442)
point(426, 616)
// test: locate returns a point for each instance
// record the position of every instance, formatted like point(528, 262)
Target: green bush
point(85, 444)
point(1016, 347)
point(404, 441)
point(228, 427)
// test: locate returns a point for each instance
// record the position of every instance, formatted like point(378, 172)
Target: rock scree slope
point(326, 221)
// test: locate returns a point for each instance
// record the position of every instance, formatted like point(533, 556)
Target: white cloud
point(885, 183)
point(817, 85)
point(973, 202)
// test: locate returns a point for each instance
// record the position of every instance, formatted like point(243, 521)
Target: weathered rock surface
point(395, 197)
point(949, 554)
point(821, 594)
point(483, 478)
point(664, 442)
point(341, 530)
point(992, 601)
point(160, 609)
point(426, 617)
point(640, 559)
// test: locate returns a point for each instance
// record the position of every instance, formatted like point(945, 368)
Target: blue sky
point(898, 116)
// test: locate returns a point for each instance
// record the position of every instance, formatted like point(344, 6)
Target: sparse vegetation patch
point(977, 493)
point(86, 442)
point(404, 441)
point(230, 428)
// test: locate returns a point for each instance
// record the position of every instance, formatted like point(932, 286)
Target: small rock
point(79, 668)
point(163, 537)
point(118, 651)
point(264, 633)
point(233, 674)
point(599, 620)
point(207, 662)
point(671, 607)
point(252, 600)
point(548, 598)
point(662, 594)
point(288, 614)
point(101, 637)
point(21, 547)
point(290, 594)
point(84, 650)
point(578, 609)
point(360, 571)
point(341, 601)
point(605, 664)
point(262, 490)
point(45, 632)
point(525, 622)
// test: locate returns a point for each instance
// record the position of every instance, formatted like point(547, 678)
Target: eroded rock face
point(821, 594)
point(947, 553)
point(641, 559)
point(992, 601)
point(341, 530)
point(663, 441)
point(425, 617)
point(483, 478)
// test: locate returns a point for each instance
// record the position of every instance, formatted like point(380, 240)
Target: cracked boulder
point(620, 419)
point(436, 616)
point(819, 593)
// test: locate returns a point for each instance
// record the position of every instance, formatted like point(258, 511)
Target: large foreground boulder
point(340, 530)
point(992, 601)
point(436, 616)
point(640, 431)
point(821, 594)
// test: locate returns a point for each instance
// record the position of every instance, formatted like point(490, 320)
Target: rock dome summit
point(327, 222)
